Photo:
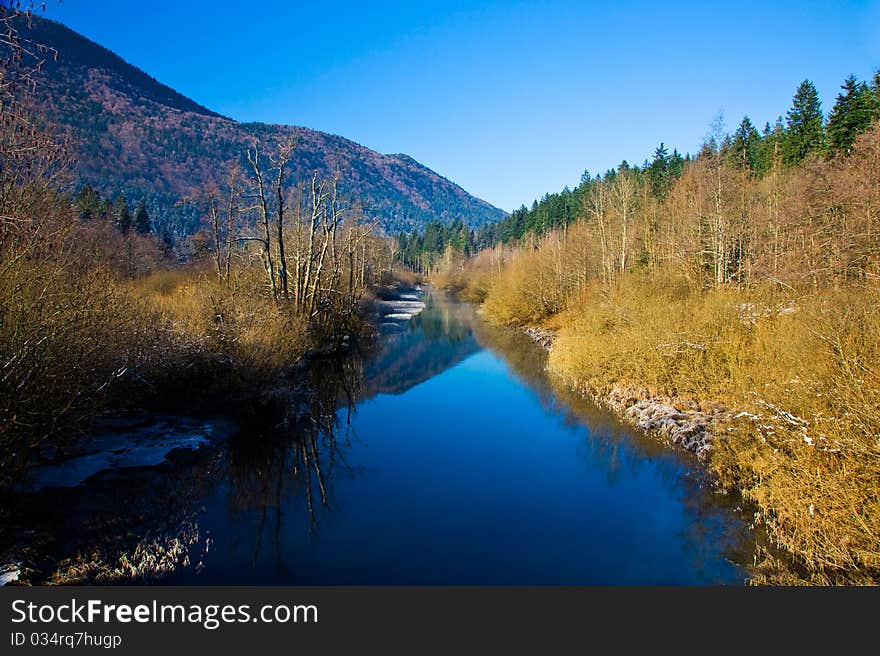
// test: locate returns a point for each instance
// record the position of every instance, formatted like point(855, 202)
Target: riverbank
point(195, 369)
point(682, 423)
point(174, 341)
point(165, 441)
point(774, 391)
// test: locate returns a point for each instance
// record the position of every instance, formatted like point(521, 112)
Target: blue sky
point(508, 99)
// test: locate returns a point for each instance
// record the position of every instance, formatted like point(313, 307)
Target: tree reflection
point(294, 457)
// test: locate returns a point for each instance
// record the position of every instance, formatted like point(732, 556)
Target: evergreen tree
point(167, 242)
point(105, 209)
point(88, 202)
point(708, 149)
point(852, 114)
point(805, 131)
point(875, 96)
point(676, 164)
point(658, 172)
point(141, 218)
point(744, 147)
point(771, 147)
point(122, 214)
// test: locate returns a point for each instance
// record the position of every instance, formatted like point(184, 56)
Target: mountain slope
point(135, 135)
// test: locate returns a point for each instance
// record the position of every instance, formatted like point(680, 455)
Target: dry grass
point(470, 279)
point(655, 332)
point(811, 463)
point(78, 337)
point(525, 294)
point(804, 368)
point(241, 330)
point(402, 277)
point(67, 339)
point(146, 562)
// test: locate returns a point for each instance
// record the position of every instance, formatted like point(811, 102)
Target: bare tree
point(624, 202)
point(284, 153)
point(213, 194)
point(263, 205)
point(329, 221)
point(597, 209)
point(317, 197)
point(717, 222)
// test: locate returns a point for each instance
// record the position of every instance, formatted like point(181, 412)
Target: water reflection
point(265, 464)
point(443, 454)
point(716, 525)
point(436, 339)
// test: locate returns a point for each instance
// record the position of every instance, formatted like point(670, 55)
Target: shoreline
point(796, 475)
point(682, 423)
point(139, 437)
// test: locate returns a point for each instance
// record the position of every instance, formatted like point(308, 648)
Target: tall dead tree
point(318, 196)
point(284, 153)
point(233, 189)
point(263, 205)
point(213, 193)
point(330, 215)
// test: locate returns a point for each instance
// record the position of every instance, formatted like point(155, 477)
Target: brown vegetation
point(94, 315)
point(91, 316)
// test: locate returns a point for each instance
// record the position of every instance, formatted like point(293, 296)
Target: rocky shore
point(684, 423)
point(543, 337)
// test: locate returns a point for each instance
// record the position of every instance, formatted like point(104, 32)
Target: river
point(443, 455)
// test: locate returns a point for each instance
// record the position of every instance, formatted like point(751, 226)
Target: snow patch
point(9, 573)
point(144, 446)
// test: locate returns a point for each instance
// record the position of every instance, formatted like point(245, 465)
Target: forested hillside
point(133, 135)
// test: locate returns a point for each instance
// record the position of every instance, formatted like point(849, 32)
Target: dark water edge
point(442, 455)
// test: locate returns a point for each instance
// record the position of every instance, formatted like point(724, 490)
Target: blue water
point(478, 475)
point(443, 455)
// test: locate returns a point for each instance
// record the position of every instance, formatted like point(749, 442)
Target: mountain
point(134, 135)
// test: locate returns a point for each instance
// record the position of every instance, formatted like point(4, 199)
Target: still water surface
point(445, 456)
